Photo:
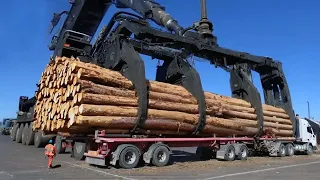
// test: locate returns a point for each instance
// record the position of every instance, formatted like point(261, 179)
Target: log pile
point(74, 96)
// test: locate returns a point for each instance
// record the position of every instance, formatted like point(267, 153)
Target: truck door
point(311, 136)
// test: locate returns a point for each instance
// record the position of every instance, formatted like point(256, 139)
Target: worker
point(50, 152)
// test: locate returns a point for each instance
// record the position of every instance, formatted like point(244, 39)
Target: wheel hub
point(230, 154)
point(161, 156)
point(243, 153)
point(130, 157)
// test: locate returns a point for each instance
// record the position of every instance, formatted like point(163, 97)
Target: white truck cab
point(305, 136)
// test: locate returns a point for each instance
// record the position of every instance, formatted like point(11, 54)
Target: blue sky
point(286, 30)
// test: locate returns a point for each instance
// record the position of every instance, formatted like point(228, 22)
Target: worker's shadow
point(56, 166)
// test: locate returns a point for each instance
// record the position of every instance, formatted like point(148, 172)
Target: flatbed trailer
point(128, 152)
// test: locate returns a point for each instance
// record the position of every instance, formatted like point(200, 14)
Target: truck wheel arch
point(116, 154)
point(147, 156)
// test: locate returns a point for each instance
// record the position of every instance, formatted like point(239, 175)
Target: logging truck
point(104, 148)
point(75, 106)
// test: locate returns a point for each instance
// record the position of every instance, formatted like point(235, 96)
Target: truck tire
point(40, 140)
point(19, 133)
point(129, 157)
point(282, 150)
point(14, 132)
point(30, 136)
point(243, 153)
point(160, 156)
point(230, 154)
point(309, 150)
point(37, 139)
point(79, 150)
point(289, 150)
point(24, 134)
point(58, 144)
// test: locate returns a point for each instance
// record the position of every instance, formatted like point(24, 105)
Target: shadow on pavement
point(56, 166)
point(182, 156)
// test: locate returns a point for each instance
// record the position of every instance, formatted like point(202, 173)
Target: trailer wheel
point(78, 150)
point(282, 150)
point(160, 156)
point(19, 133)
point(129, 157)
point(230, 154)
point(30, 136)
point(243, 153)
point(14, 132)
point(59, 147)
point(289, 150)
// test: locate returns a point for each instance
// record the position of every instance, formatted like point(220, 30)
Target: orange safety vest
point(50, 150)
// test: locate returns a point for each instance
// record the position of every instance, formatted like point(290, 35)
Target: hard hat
point(50, 141)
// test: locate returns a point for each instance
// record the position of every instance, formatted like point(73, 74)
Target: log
point(103, 78)
point(98, 99)
point(118, 122)
point(106, 110)
point(100, 76)
point(75, 96)
point(99, 89)
point(252, 123)
point(90, 87)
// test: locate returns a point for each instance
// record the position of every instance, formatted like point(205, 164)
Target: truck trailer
point(128, 152)
point(117, 48)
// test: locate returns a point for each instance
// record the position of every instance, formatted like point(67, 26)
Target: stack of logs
point(74, 96)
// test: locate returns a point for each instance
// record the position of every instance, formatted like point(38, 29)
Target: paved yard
point(29, 163)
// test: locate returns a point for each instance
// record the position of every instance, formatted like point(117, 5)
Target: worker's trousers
point(50, 159)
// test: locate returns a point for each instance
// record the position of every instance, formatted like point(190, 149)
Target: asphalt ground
point(29, 163)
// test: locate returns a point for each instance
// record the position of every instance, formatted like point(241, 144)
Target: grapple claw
point(181, 72)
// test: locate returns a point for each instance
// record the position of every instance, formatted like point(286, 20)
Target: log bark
point(89, 98)
point(90, 87)
point(106, 110)
point(118, 122)
point(103, 78)
point(253, 123)
point(159, 87)
point(73, 93)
